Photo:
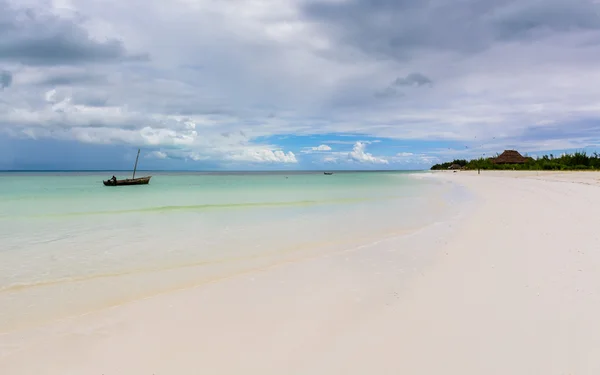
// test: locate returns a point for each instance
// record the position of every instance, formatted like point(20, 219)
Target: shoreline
point(215, 300)
point(511, 288)
point(172, 257)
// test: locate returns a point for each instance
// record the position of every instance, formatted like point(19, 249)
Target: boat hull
point(128, 181)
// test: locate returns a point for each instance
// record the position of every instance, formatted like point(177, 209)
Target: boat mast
point(136, 160)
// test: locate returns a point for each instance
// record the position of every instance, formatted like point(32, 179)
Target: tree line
point(575, 161)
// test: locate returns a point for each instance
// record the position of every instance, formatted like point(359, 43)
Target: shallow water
point(69, 245)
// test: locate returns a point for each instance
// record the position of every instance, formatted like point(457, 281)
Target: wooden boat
point(328, 173)
point(129, 181)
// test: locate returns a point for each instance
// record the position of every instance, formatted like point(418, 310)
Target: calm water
point(70, 245)
point(72, 194)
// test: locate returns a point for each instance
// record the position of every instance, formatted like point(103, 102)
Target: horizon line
point(210, 170)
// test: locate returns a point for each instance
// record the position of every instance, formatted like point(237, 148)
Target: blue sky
point(294, 84)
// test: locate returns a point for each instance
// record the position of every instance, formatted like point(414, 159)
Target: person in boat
point(114, 179)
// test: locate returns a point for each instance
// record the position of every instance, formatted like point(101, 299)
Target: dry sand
point(512, 288)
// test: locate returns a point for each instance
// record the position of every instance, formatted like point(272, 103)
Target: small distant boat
point(328, 173)
point(129, 181)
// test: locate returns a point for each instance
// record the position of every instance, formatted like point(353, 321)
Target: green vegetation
point(576, 161)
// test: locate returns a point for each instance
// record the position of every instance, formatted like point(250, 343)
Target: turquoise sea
point(69, 245)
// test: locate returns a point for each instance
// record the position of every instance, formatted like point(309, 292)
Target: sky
point(294, 84)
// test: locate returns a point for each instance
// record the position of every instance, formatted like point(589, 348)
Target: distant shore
point(513, 160)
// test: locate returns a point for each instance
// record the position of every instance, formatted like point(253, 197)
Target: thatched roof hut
point(454, 166)
point(510, 157)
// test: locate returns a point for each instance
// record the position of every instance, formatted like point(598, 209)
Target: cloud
point(226, 75)
point(72, 79)
point(321, 148)
point(413, 79)
point(388, 92)
point(34, 37)
point(264, 156)
point(403, 29)
point(178, 137)
point(359, 154)
point(158, 155)
point(5, 79)
point(340, 142)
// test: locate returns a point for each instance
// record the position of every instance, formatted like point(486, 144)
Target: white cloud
point(158, 154)
point(359, 154)
point(339, 142)
point(321, 148)
point(195, 137)
point(263, 156)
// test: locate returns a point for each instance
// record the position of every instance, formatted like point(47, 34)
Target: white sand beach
point(513, 287)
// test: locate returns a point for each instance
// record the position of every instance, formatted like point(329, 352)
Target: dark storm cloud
point(399, 29)
point(72, 79)
point(44, 39)
point(413, 79)
point(5, 79)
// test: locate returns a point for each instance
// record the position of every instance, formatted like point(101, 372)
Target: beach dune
point(512, 287)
